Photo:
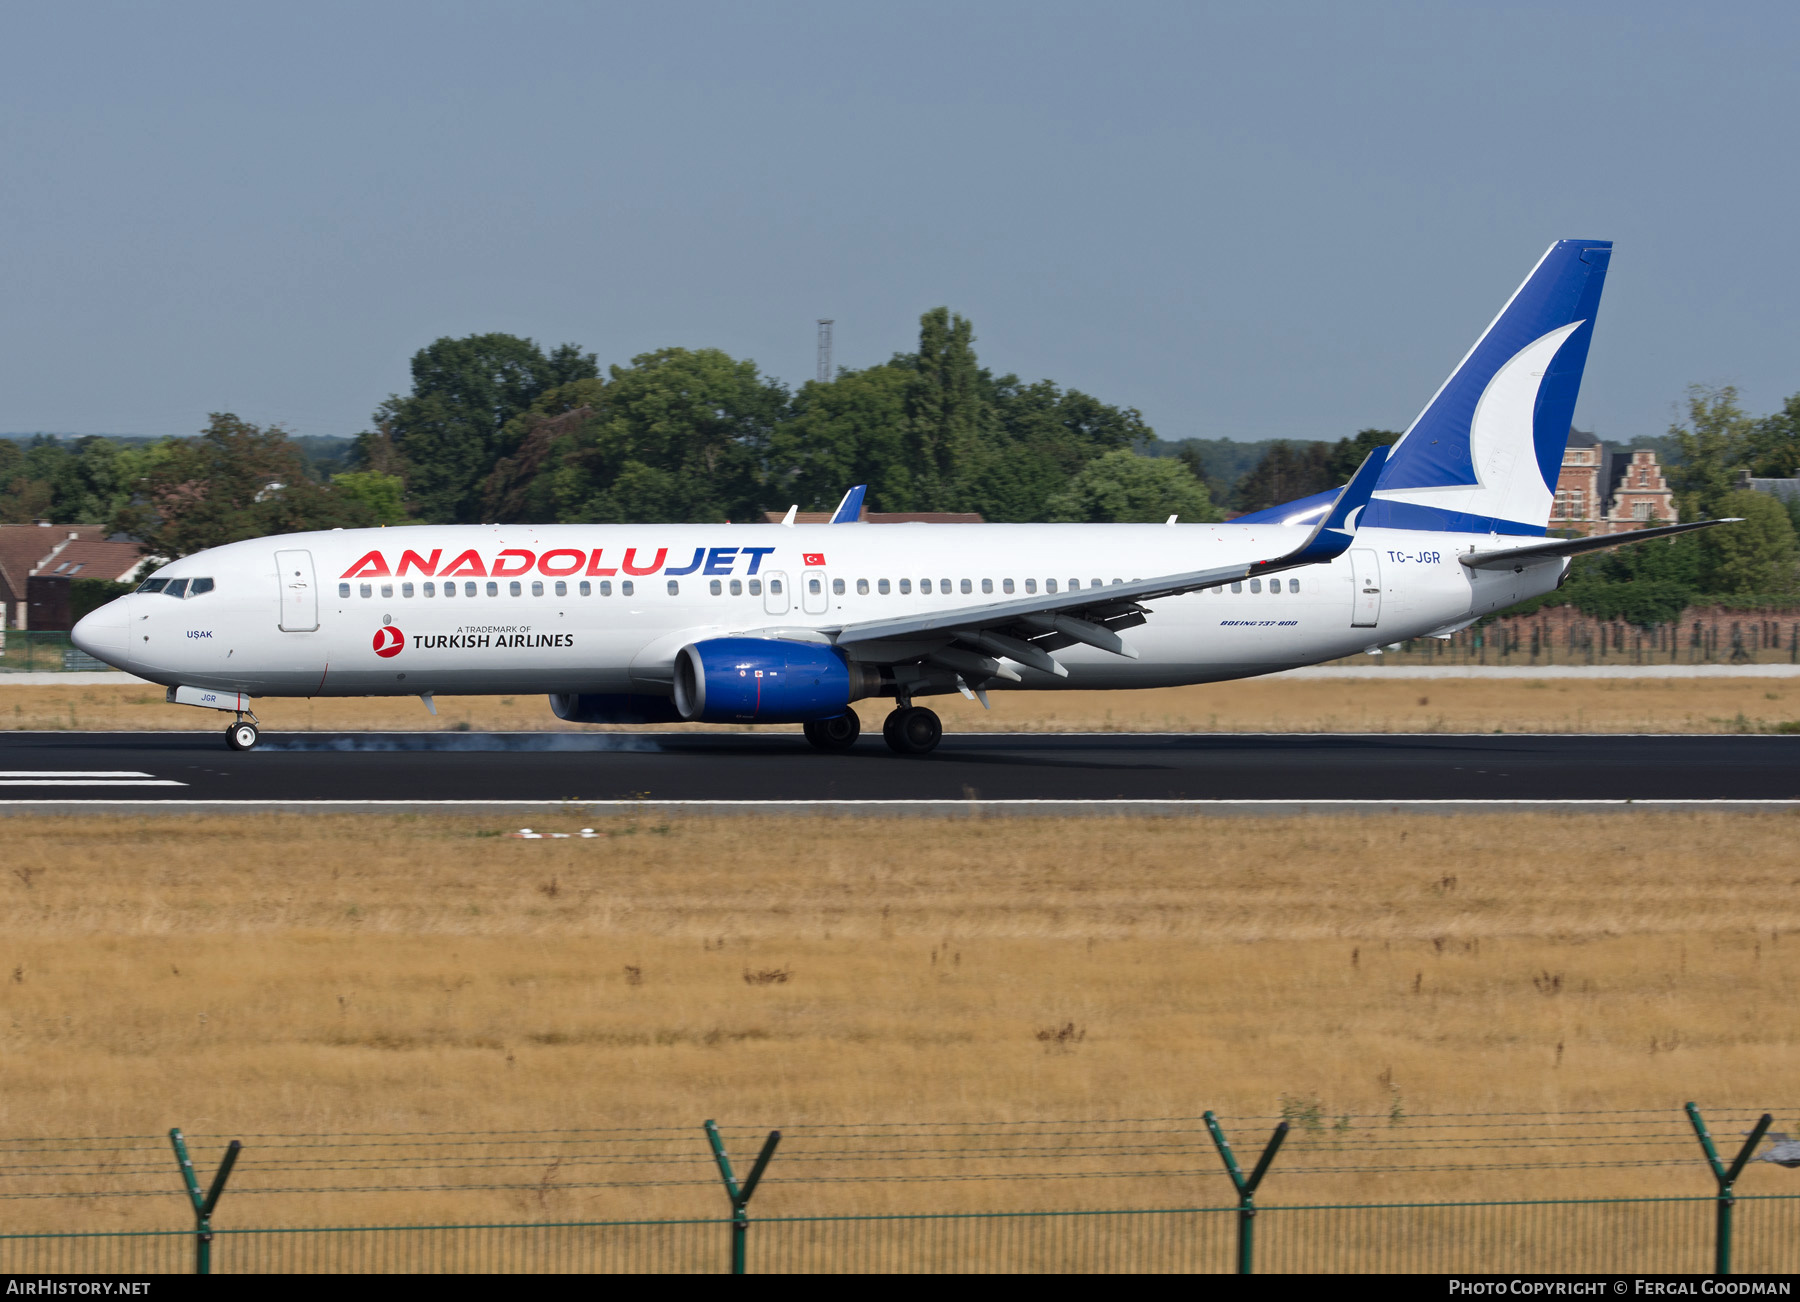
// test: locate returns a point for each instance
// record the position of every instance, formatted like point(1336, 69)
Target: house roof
point(69, 550)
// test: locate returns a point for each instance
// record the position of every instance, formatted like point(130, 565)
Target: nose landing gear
point(912, 730)
point(243, 735)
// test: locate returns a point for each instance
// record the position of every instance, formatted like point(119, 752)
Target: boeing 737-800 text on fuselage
point(768, 624)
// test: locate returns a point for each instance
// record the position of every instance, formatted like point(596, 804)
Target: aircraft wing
point(1514, 558)
point(1027, 629)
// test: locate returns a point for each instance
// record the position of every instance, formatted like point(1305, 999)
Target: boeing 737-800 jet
point(765, 624)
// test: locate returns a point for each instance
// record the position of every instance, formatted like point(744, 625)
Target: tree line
point(497, 429)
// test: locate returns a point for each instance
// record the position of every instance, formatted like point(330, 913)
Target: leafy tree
point(384, 495)
point(447, 435)
point(945, 413)
point(1754, 558)
point(1774, 451)
point(1714, 441)
point(676, 436)
point(1286, 472)
point(234, 481)
point(1347, 455)
point(852, 430)
point(1041, 437)
point(1122, 487)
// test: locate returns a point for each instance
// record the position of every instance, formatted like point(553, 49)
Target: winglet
point(850, 509)
point(1331, 536)
point(788, 519)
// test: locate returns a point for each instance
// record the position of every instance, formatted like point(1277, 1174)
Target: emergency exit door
point(813, 598)
point(1365, 574)
point(299, 594)
point(775, 593)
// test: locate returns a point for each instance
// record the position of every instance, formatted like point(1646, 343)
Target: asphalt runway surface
point(968, 768)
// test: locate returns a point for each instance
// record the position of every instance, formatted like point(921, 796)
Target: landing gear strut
point(243, 735)
point(912, 730)
point(835, 735)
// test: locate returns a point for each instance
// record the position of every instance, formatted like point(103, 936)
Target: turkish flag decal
point(814, 558)
point(388, 642)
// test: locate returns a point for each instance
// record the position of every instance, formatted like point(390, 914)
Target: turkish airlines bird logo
point(388, 642)
point(814, 558)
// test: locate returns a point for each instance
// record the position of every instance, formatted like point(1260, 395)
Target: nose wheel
point(242, 735)
point(912, 730)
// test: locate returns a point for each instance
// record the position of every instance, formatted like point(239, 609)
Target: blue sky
point(1249, 221)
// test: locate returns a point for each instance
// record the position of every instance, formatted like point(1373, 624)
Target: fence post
point(1726, 1176)
point(740, 1196)
point(203, 1203)
point(1246, 1189)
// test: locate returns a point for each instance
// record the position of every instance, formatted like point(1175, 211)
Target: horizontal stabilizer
point(1514, 558)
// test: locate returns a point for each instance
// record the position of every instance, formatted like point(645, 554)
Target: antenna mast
point(825, 371)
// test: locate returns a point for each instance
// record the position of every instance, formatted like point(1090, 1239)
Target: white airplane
point(659, 624)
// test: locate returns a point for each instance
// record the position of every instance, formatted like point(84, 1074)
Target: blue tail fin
point(1484, 455)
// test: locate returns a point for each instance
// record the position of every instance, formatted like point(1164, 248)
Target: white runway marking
point(83, 778)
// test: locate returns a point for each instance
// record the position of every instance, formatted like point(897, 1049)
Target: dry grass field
point(253, 976)
point(1254, 705)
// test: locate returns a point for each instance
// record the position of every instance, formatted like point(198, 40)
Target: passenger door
point(1365, 573)
point(299, 594)
point(813, 597)
point(775, 593)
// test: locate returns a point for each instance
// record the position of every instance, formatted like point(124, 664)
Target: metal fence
point(1159, 1157)
point(1616, 1236)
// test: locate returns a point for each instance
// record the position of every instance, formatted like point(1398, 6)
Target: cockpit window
point(176, 588)
point(153, 585)
point(197, 586)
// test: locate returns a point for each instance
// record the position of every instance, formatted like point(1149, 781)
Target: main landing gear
point(834, 735)
point(242, 735)
point(912, 730)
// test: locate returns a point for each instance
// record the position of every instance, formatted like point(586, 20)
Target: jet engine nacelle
point(767, 680)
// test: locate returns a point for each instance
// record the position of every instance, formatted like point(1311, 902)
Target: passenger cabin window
point(343, 588)
point(737, 587)
point(987, 585)
point(586, 589)
point(626, 587)
point(966, 588)
point(562, 589)
point(1049, 585)
point(515, 588)
point(813, 585)
point(1256, 585)
point(881, 586)
point(1006, 585)
point(428, 589)
point(1237, 587)
point(837, 587)
point(406, 589)
point(365, 590)
point(1293, 585)
point(756, 587)
point(862, 587)
point(716, 588)
point(537, 588)
point(925, 585)
point(1031, 585)
point(469, 589)
point(905, 587)
point(775, 586)
point(493, 589)
point(387, 590)
point(674, 588)
point(449, 589)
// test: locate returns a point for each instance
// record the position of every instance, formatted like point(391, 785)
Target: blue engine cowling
point(767, 680)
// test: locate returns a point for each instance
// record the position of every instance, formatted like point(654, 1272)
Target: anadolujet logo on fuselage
point(558, 563)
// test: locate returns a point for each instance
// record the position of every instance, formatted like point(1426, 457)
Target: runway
point(1022, 772)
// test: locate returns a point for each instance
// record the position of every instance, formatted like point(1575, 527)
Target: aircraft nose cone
point(103, 633)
